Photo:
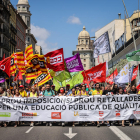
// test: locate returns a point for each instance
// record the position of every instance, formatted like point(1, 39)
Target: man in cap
point(68, 90)
point(22, 92)
point(53, 88)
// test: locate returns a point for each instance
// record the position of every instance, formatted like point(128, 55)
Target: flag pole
point(130, 26)
point(65, 77)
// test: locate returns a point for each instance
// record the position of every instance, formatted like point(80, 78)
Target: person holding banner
point(3, 93)
point(68, 90)
point(13, 92)
point(91, 88)
point(61, 92)
point(121, 93)
point(48, 92)
point(53, 88)
point(9, 92)
point(83, 91)
point(22, 92)
point(133, 90)
point(73, 94)
point(33, 93)
point(97, 91)
point(17, 95)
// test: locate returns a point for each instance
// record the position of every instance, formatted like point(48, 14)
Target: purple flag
point(74, 63)
point(2, 80)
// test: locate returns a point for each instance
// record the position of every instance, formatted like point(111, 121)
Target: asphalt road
point(39, 132)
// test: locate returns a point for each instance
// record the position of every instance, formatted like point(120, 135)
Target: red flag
point(28, 81)
point(135, 71)
point(109, 79)
point(96, 74)
point(55, 60)
point(3, 57)
point(5, 65)
point(19, 76)
point(138, 87)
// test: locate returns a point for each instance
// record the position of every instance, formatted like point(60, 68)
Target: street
point(39, 132)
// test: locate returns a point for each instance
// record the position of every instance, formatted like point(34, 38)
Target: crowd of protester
point(78, 90)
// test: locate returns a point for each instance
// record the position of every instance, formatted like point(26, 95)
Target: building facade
point(38, 50)
point(24, 11)
point(13, 30)
point(21, 33)
point(119, 32)
point(85, 49)
point(4, 28)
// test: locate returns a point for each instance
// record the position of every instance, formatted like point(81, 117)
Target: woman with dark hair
point(61, 91)
point(115, 89)
point(12, 92)
point(83, 91)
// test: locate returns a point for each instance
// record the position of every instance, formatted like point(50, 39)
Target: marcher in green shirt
point(48, 91)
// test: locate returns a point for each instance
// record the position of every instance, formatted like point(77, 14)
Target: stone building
point(24, 11)
point(119, 32)
point(13, 30)
point(4, 28)
point(38, 50)
point(21, 33)
point(85, 49)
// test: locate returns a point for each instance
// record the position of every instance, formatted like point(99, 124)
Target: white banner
point(102, 45)
point(97, 108)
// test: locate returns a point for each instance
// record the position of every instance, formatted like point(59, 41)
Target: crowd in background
point(78, 90)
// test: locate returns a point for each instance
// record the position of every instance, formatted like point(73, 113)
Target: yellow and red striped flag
point(19, 60)
point(30, 73)
point(42, 78)
point(28, 53)
point(13, 66)
point(38, 62)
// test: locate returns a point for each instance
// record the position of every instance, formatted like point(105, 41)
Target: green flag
point(76, 79)
point(63, 75)
point(56, 83)
point(68, 81)
point(133, 56)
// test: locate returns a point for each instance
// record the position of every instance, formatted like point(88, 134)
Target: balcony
point(2, 20)
point(13, 41)
point(13, 29)
point(6, 32)
point(5, 46)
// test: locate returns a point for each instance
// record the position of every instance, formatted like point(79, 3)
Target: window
point(86, 42)
point(84, 65)
point(78, 48)
point(82, 41)
point(84, 60)
point(27, 8)
point(82, 48)
point(18, 8)
point(28, 39)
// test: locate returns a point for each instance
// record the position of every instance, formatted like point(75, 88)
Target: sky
point(57, 23)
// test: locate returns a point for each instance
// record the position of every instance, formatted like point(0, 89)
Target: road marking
point(29, 130)
point(70, 134)
point(119, 133)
